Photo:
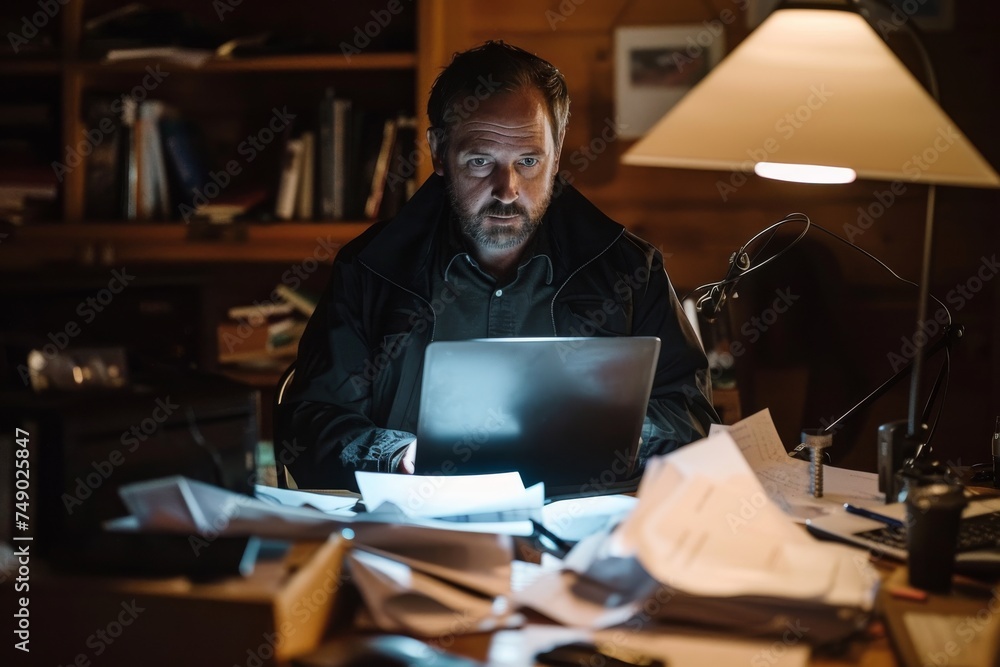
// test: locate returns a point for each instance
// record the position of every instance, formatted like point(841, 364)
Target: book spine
point(304, 206)
point(381, 170)
point(102, 188)
point(326, 157)
point(289, 181)
point(183, 159)
point(130, 161)
point(341, 149)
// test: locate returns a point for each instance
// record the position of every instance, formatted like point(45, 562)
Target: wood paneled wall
point(684, 214)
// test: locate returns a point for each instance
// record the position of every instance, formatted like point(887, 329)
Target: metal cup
point(934, 507)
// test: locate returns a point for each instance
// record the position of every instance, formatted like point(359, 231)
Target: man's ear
point(434, 136)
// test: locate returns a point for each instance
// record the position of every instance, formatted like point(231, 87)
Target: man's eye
point(529, 161)
point(477, 162)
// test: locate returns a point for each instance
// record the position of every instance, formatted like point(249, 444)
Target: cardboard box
point(283, 609)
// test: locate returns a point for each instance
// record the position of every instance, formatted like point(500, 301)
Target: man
point(484, 249)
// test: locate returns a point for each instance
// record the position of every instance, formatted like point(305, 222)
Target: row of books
point(148, 162)
point(357, 165)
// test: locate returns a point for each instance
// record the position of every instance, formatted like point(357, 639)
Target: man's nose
point(505, 185)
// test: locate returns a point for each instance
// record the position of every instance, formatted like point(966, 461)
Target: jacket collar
point(403, 250)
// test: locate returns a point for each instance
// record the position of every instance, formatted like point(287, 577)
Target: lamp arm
point(947, 340)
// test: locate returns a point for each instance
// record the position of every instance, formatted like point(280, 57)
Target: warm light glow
point(804, 173)
point(814, 87)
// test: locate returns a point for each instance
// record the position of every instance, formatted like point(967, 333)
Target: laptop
point(882, 530)
point(564, 411)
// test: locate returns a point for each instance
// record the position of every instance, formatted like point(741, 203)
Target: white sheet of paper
point(429, 496)
point(706, 528)
point(180, 504)
point(295, 498)
point(786, 479)
point(575, 518)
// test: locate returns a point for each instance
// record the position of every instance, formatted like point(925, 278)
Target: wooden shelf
point(278, 63)
point(112, 244)
point(31, 67)
point(70, 74)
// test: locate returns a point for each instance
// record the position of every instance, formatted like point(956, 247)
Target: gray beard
point(494, 238)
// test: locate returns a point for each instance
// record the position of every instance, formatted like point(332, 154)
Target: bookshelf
point(227, 99)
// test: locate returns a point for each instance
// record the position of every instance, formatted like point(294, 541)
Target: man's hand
point(406, 464)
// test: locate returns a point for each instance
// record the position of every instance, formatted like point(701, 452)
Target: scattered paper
point(711, 530)
point(431, 496)
point(786, 479)
point(179, 504)
point(478, 561)
point(295, 498)
point(576, 518)
point(705, 533)
point(403, 599)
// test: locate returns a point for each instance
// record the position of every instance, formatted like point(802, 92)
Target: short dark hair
point(492, 67)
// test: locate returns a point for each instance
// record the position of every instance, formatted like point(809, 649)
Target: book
point(380, 169)
point(341, 153)
point(337, 129)
point(243, 342)
point(187, 172)
point(129, 157)
point(260, 311)
point(153, 201)
point(400, 182)
point(304, 304)
point(102, 185)
point(325, 156)
point(307, 179)
point(230, 206)
point(291, 172)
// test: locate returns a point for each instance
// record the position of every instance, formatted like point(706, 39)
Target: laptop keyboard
point(977, 532)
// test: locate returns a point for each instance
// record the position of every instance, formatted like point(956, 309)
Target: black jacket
point(354, 399)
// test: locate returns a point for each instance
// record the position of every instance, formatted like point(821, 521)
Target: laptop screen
point(564, 411)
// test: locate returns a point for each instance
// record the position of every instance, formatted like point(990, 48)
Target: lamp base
point(895, 447)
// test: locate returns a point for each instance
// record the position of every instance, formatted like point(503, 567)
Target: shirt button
point(499, 292)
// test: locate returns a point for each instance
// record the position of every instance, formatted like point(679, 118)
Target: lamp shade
point(814, 87)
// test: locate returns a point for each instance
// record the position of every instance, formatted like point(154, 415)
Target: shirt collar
point(539, 247)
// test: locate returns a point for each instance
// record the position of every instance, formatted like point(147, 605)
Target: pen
point(868, 514)
point(559, 546)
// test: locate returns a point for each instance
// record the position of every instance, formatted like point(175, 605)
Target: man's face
point(500, 165)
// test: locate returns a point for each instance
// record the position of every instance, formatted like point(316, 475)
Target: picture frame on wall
point(655, 66)
point(929, 15)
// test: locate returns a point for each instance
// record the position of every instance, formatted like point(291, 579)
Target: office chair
point(280, 427)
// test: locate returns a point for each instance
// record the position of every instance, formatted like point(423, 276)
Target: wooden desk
point(861, 653)
point(263, 620)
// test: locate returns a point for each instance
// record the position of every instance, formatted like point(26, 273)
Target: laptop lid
point(564, 411)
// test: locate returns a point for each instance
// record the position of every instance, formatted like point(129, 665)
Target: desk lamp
point(814, 95)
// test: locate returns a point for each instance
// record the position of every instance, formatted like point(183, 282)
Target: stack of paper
point(418, 573)
point(707, 539)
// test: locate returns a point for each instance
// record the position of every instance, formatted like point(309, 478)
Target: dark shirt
point(481, 308)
